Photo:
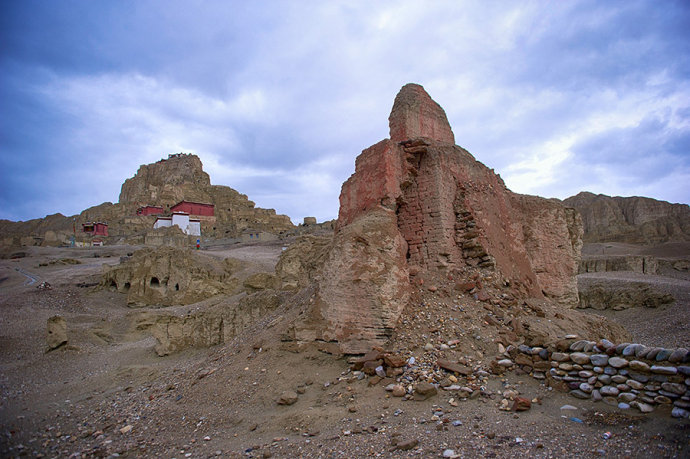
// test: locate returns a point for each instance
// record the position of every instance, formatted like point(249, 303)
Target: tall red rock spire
point(415, 114)
point(420, 210)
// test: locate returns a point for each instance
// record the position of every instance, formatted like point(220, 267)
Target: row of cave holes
point(113, 286)
point(154, 282)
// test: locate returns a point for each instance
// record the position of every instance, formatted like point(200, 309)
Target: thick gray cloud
point(278, 98)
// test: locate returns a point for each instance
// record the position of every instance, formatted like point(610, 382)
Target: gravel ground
point(107, 394)
point(666, 326)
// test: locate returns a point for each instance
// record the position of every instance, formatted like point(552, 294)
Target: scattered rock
point(521, 404)
point(424, 390)
point(287, 398)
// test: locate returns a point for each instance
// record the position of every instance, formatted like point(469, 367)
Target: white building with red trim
point(190, 226)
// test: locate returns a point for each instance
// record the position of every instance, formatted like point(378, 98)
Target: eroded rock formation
point(170, 276)
point(181, 177)
point(164, 183)
point(618, 295)
point(420, 209)
point(634, 220)
point(208, 326)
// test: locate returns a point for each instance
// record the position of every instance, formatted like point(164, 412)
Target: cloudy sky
point(279, 97)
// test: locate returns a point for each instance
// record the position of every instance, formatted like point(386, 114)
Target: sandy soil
point(78, 400)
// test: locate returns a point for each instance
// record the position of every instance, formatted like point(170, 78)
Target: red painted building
point(194, 208)
point(150, 210)
point(95, 228)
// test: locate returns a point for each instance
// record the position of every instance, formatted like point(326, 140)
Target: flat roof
point(194, 202)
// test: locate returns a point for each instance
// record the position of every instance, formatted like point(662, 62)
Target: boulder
point(56, 332)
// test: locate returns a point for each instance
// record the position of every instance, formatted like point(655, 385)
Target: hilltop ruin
point(420, 212)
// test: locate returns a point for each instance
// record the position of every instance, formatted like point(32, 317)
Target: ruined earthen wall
point(418, 206)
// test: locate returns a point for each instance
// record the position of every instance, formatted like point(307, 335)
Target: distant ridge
point(164, 184)
point(636, 220)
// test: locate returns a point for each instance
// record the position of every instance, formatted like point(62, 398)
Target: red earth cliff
point(420, 209)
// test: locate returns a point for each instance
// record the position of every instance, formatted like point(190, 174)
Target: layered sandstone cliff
point(633, 220)
point(420, 209)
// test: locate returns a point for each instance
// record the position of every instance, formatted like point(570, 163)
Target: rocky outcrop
point(634, 220)
point(167, 182)
point(419, 209)
point(164, 183)
point(300, 263)
point(618, 295)
point(415, 114)
point(363, 285)
point(181, 177)
point(553, 240)
point(170, 276)
point(206, 326)
point(171, 236)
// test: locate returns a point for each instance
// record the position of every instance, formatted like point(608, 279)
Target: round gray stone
point(578, 345)
point(618, 362)
point(599, 360)
point(630, 349)
point(626, 397)
point(560, 357)
point(678, 355)
point(604, 343)
point(643, 407)
point(579, 357)
point(660, 399)
point(579, 394)
point(620, 347)
point(664, 370)
point(663, 354)
point(609, 391)
point(639, 365)
point(639, 377)
point(680, 413)
point(634, 384)
point(641, 350)
point(651, 354)
point(586, 388)
point(676, 388)
point(618, 379)
point(605, 379)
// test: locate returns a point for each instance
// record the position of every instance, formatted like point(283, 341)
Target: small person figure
point(198, 244)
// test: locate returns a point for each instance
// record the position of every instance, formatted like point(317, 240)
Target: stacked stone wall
point(626, 375)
